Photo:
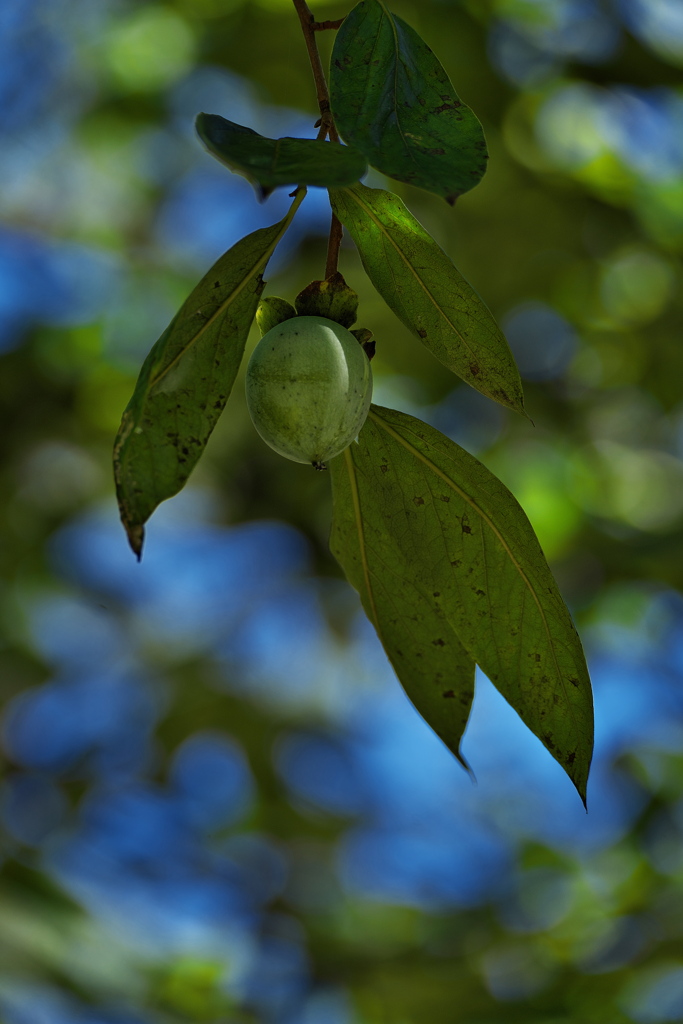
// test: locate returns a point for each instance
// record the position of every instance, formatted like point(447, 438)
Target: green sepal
point(365, 339)
point(331, 298)
point(272, 311)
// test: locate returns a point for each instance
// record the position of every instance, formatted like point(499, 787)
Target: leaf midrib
point(387, 14)
point(355, 500)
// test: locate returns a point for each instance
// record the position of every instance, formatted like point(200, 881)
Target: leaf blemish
point(439, 643)
point(448, 694)
point(418, 501)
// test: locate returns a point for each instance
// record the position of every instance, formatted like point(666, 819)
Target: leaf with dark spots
point(402, 609)
point(392, 99)
point(419, 282)
point(183, 386)
point(494, 586)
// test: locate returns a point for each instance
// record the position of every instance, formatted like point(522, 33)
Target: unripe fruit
point(309, 387)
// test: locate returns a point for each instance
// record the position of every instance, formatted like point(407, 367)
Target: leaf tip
point(464, 763)
point(579, 776)
point(136, 538)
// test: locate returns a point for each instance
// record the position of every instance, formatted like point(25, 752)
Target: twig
point(326, 123)
point(308, 26)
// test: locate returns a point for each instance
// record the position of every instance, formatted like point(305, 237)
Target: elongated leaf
point(462, 535)
point(435, 670)
point(419, 282)
point(393, 100)
point(267, 163)
point(186, 379)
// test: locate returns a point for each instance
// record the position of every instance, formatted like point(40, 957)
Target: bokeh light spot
point(149, 50)
point(542, 342)
point(636, 286)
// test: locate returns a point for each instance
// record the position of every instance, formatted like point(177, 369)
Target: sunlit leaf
point(186, 379)
point(267, 163)
point(461, 537)
point(419, 282)
point(393, 100)
point(435, 670)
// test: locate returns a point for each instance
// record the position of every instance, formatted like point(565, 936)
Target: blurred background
point(216, 803)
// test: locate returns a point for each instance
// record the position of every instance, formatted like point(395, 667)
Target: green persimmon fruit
point(309, 387)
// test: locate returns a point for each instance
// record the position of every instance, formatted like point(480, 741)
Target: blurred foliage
point(216, 805)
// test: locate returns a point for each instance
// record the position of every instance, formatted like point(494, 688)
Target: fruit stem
point(309, 27)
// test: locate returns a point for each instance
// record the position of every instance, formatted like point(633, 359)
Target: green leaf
point(464, 539)
point(432, 665)
point(186, 379)
point(393, 100)
point(419, 282)
point(267, 163)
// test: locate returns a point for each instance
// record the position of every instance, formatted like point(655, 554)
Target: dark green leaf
point(267, 163)
point(466, 541)
point(393, 100)
point(435, 670)
point(419, 282)
point(331, 298)
point(186, 379)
